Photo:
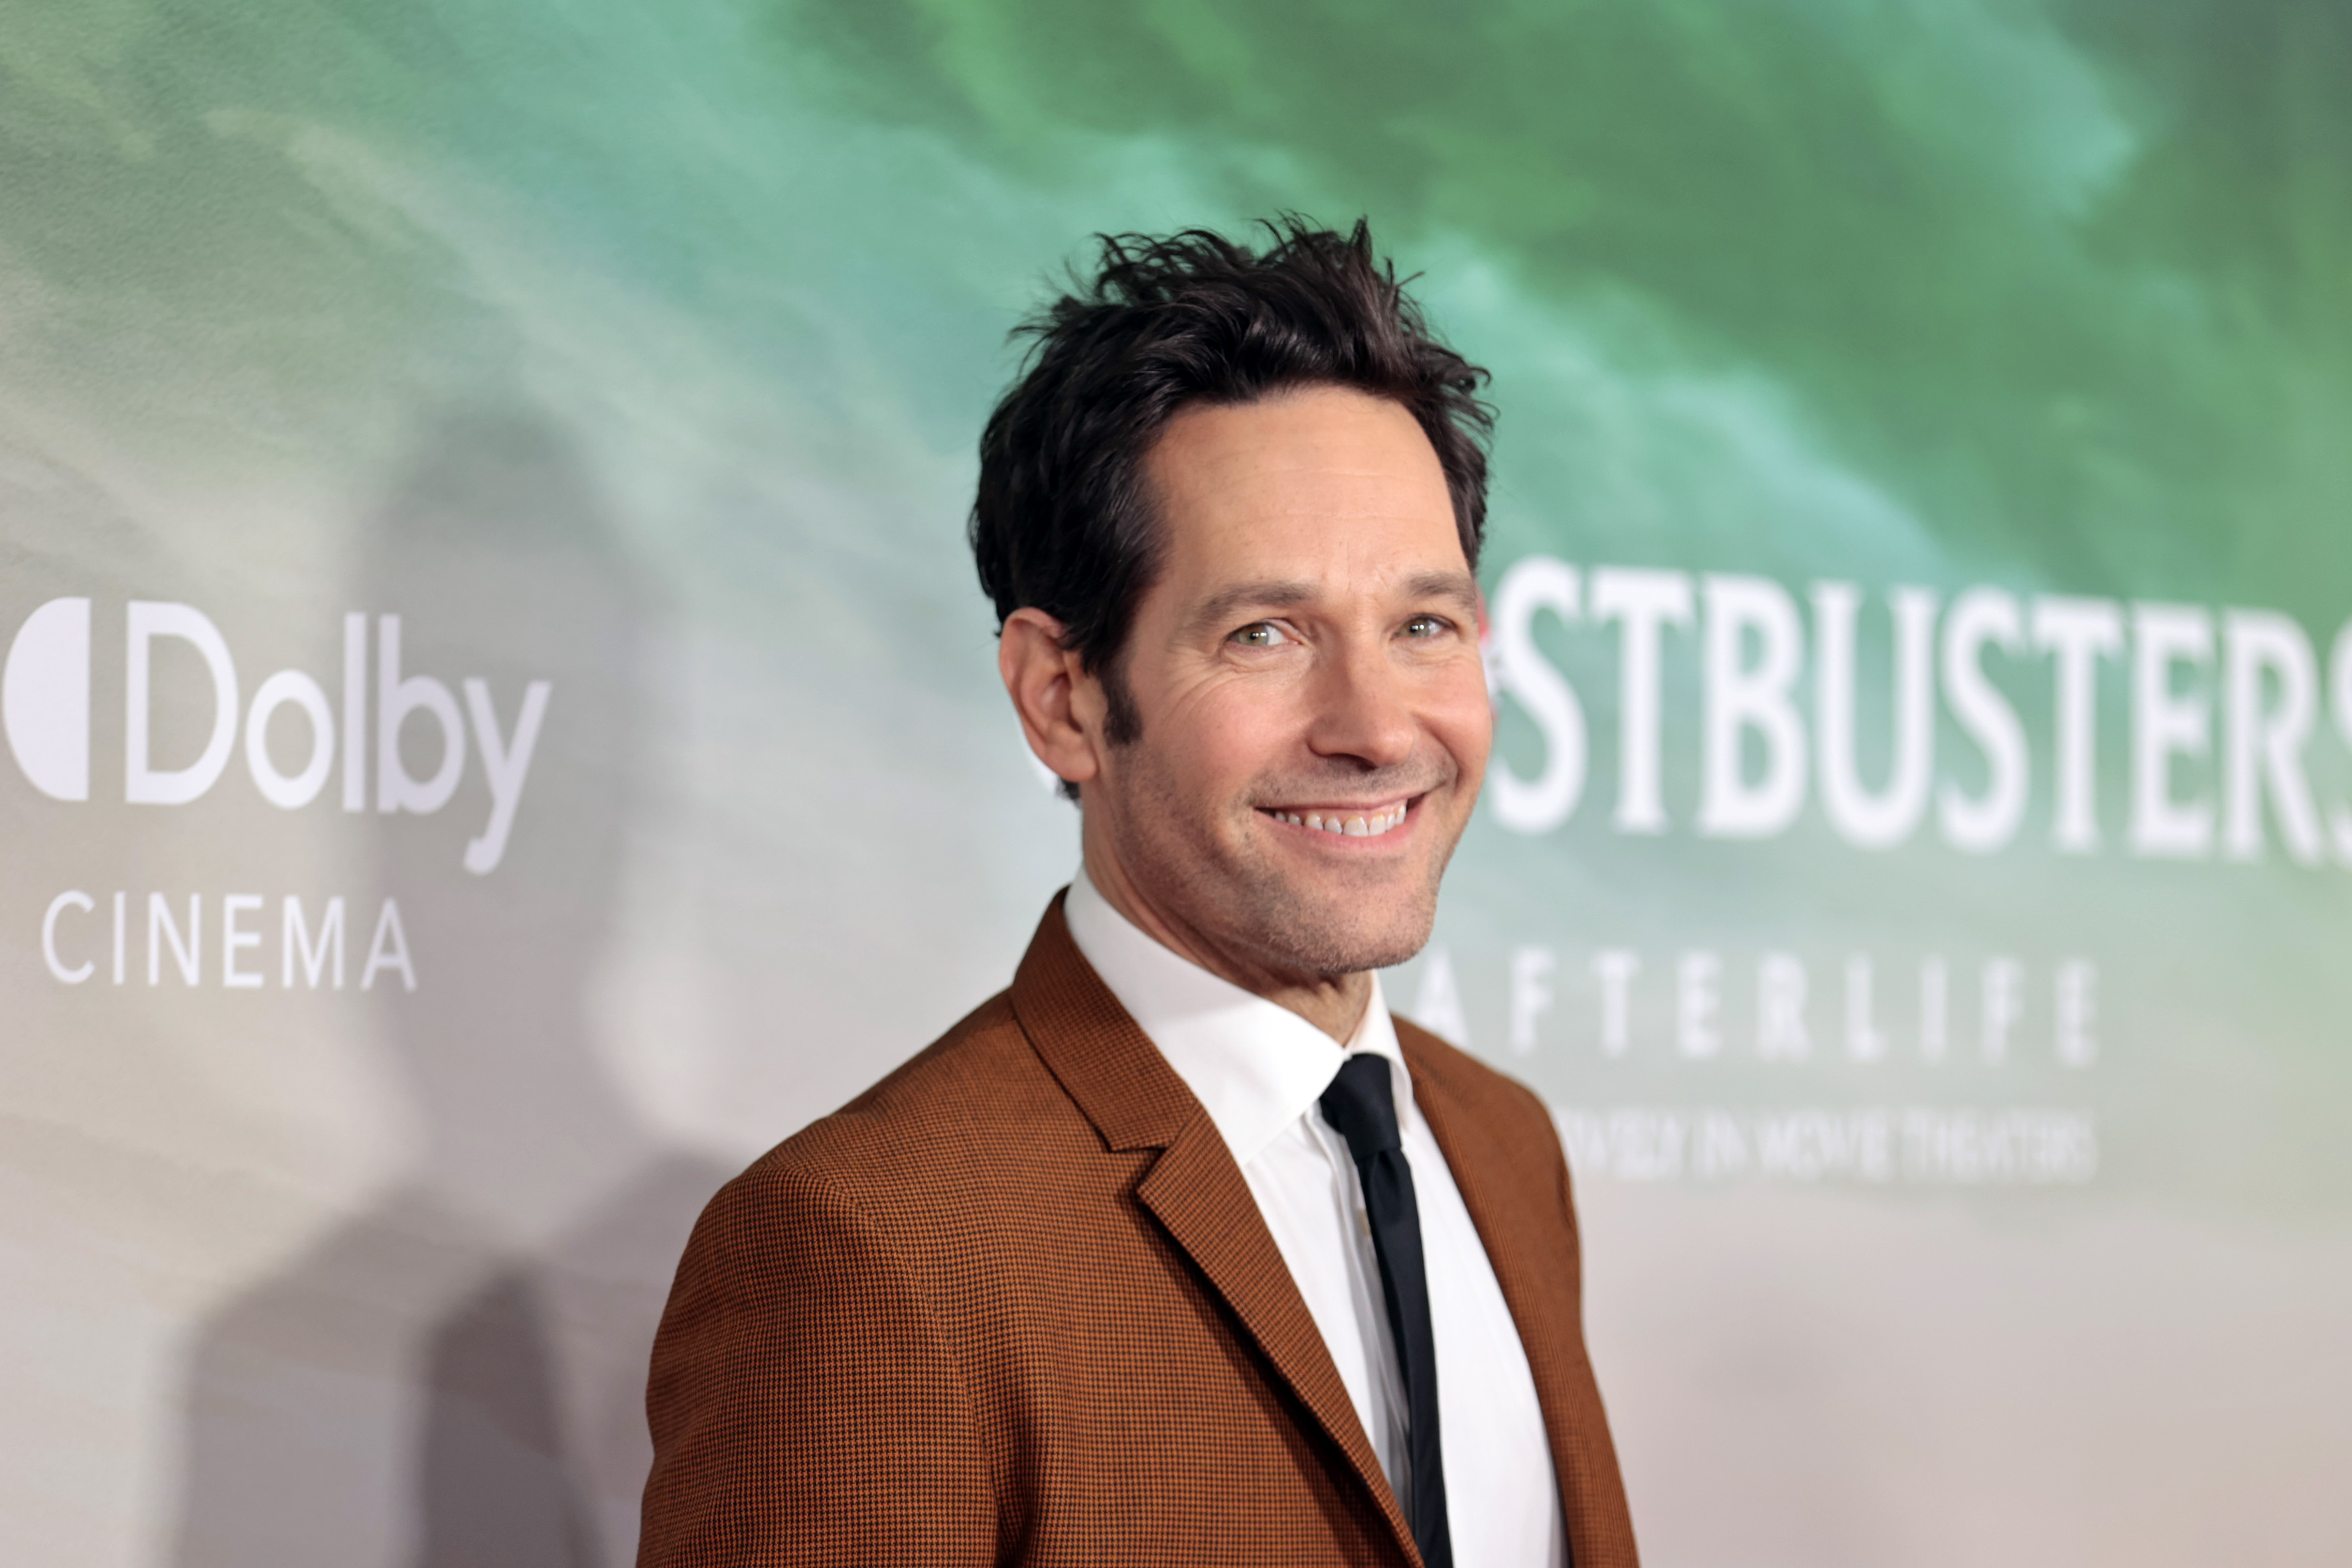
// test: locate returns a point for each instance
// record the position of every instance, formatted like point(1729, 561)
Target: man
point(1182, 1250)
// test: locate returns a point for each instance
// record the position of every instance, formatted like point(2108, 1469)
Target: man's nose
point(1362, 709)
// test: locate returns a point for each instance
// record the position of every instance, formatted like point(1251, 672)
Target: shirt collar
point(1256, 1067)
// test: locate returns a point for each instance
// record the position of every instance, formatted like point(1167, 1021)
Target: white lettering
point(396, 698)
point(2340, 692)
point(1809, 1146)
point(57, 905)
point(1537, 582)
point(2077, 993)
point(160, 924)
point(1630, 1145)
point(2265, 748)
point(1863, 1042)
point(296, 939)
point(2004, 1004)
point(1985, 823)
point(1438, 1006)
point(1935, 1008)
point(290, 686)
point(1616, 969)
point(234, 937)
point(2079, 632)
point(2165, 725)
point(142, 784)
point(1531, 972)
point(1722, 1145)
point(1695, 1002)
point(355, 712)
point(505, 762)
point(1780, 989)
point(1866, 820)
point(388, 949)
point(2021, 1145)
point(1743, 699)
point(1641, 601)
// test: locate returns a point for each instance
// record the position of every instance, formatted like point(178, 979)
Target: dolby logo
point(45, 699)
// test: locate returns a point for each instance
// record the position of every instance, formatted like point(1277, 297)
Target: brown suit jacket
point(1015, 1304)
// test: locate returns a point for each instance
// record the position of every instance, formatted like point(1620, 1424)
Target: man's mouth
point(1346, 821)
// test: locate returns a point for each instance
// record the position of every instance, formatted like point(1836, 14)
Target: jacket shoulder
point(966, 1111)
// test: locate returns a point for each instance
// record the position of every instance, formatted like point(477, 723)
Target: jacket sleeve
point(803, 1405)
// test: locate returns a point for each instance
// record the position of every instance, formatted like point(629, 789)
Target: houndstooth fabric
point(1014, 1304)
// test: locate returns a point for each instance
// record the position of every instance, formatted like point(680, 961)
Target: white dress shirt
point(1259, 1070)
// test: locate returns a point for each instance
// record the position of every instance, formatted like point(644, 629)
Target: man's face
point(1314, 714)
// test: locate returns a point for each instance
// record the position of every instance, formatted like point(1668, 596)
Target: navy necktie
point(1361, 1107)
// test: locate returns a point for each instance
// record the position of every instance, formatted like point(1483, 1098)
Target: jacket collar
point(1514, 1181)
point(1256, 1067)
point(1119, 1079)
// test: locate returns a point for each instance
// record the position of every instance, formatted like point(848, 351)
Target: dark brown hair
point(1061, 521)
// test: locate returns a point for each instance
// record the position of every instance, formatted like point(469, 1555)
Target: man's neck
point(1332, 1003)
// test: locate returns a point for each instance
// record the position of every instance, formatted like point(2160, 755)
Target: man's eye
point(1261, 635)
point(1425, 626)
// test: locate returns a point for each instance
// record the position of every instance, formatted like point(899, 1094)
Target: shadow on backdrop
point(456, 1377)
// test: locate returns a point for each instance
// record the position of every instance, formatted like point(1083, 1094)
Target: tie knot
point(1360, 1105)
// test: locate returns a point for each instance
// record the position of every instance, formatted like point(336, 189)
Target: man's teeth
point(1353, 825)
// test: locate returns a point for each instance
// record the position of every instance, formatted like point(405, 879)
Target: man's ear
point(1060, 705)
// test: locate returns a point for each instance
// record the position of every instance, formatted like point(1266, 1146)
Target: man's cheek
point(1236, 744)
point(1478, 744)
point(1466, 730)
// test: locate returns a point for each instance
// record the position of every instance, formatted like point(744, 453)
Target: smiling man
point(1183, 1250)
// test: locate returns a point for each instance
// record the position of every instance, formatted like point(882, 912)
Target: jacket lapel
point(1510, 1172)
point(1195, 1191)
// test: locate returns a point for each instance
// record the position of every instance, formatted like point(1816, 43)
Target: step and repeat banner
point(502, 727)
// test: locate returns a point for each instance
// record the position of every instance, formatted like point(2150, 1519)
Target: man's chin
point(1343, 947)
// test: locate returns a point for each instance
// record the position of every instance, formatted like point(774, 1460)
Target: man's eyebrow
point(1281, 594)
point(1267, 593)
point(1458, 586)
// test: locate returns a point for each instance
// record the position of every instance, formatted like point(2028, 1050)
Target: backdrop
point(502, 729)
